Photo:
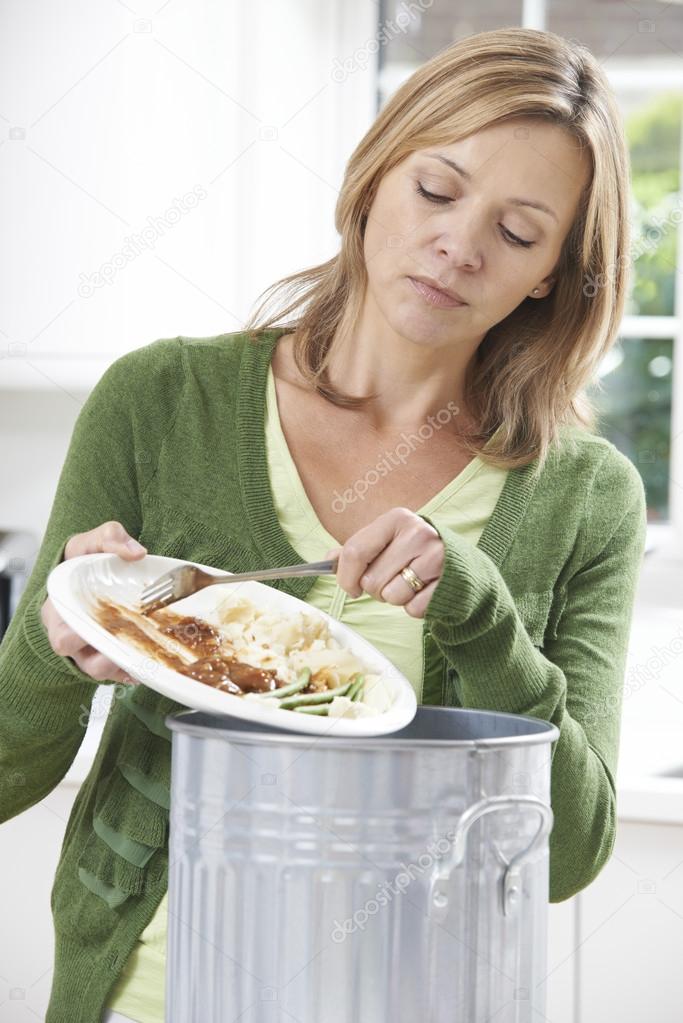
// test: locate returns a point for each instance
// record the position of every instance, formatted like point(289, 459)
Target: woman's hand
point(110, 538)
point(371, 560)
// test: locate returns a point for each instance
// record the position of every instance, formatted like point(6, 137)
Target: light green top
point(465, 505)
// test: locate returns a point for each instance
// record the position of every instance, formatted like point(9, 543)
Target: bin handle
point(511, 886)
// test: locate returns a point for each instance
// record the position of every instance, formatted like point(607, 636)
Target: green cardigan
point(534, 620)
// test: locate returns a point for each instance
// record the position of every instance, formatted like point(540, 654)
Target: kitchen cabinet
point(158, 238)
point(560, 982)
point(631, 930)
point(29, 850)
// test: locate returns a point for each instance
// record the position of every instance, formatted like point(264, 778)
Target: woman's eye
point(514, 240)
point(430, 195)
point(511, 238)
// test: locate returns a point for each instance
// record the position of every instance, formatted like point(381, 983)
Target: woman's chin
point(421, 328)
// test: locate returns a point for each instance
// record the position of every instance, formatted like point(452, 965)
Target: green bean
point(313, 698)
point(322, 708)
point(356, 687)
point(353, 687)
point(303, 678)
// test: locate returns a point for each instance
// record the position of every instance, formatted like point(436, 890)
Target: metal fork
point(187, 579)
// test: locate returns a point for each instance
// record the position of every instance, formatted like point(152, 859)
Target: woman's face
point(477, 238)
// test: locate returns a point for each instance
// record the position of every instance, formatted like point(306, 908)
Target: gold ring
point(412, 579)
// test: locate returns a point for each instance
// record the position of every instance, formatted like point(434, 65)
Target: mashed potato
point(292, 641)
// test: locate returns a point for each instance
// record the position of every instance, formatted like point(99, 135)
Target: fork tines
point(165, 590)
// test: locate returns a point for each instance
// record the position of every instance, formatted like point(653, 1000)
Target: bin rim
point(194, 722)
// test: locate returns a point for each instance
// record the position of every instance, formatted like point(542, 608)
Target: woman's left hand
point(372, 558)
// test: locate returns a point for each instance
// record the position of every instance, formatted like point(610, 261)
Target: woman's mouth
point(434, 297)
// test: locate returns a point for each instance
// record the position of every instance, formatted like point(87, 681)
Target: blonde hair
point(529, 373)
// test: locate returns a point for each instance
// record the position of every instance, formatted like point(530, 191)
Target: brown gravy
point(212, 667)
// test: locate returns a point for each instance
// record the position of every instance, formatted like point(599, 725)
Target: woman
point(489, 541)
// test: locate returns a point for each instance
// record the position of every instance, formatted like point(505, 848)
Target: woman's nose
point(462, 241)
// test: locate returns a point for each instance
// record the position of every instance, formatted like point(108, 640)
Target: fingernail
point(135, 547)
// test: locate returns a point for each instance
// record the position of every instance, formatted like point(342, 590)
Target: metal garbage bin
point(397, 878)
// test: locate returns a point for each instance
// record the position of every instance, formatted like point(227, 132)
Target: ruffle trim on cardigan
point(131, 809)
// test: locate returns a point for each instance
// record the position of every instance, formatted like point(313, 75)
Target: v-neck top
point(465, 504)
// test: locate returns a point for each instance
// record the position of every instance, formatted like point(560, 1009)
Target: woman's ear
point(544, 287)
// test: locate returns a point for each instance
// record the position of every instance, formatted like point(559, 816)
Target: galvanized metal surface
point(399, 878)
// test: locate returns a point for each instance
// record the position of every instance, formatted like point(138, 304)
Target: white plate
point(76, 584)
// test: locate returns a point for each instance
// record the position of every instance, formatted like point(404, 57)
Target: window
point(634, 398)
point(641, 50)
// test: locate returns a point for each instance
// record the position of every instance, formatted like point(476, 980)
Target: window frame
point(660, 79)
point(650, 79)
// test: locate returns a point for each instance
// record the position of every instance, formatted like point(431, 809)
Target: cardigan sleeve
point(577, 681)
point(45, 698)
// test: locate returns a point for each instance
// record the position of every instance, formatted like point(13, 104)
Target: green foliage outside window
point(654, 137)
point(634, 401)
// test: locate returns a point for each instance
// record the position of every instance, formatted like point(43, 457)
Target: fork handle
point(286, 572)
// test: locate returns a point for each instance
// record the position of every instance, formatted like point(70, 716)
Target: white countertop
point(91, 739)
point(652, 719)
